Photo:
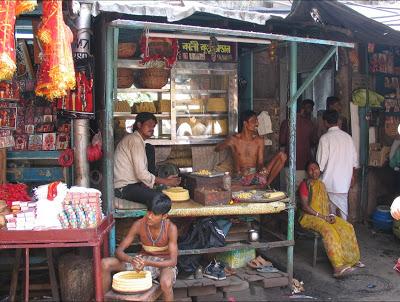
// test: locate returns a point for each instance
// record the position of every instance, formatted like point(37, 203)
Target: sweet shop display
point(177, 193)
point(217, 105)
point(53, 206)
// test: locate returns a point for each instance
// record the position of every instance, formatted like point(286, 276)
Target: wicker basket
point(125, 78)
point(126, 50)
point(154, 78)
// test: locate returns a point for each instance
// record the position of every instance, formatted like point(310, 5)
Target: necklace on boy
point(159, 235)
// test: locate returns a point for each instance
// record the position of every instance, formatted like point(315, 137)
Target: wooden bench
point(150, 295)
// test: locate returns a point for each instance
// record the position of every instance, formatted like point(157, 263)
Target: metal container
point(253, 235)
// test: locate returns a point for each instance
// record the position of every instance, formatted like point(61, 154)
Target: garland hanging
point(169, 61)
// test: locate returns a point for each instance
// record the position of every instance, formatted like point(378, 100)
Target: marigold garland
point(169, 61)
point(7, 44)
point(56, 72)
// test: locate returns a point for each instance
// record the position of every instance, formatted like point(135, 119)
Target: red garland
point(169, 61)
point(66, 158)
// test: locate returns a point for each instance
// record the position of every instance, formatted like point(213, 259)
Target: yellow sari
point(339, 238)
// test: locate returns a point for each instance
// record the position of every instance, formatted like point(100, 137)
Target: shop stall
point(41, 90)
point(197, 106)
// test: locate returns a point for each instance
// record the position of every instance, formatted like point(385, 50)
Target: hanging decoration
point(272, 51)
point(164, 50)
point(56, 72)
point(7, 44)
point(66, 158)
point(94, 151)
point(8, 11)
point(24, 6)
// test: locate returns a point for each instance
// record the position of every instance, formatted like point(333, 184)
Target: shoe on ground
point(215, 271)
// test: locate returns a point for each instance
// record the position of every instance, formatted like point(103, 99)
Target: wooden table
point(94, 237)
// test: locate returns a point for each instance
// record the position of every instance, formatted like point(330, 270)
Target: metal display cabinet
point(199, 103)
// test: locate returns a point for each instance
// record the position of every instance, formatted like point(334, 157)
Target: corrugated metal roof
point(333, 14)
point(178, 10)
point(388, 14)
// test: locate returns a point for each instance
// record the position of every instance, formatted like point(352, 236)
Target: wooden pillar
point(3, 165)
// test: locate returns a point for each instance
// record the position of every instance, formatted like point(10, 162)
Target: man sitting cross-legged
point(158, 236)
point(248, 153)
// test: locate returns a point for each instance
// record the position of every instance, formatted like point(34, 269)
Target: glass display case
point(197, 105)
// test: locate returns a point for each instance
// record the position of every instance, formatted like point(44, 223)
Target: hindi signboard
point(202, 51)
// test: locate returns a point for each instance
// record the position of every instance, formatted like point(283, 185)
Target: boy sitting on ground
point(158, 236)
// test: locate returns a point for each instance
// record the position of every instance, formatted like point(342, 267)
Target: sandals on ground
point(359, 264)
point(259, 262)
point(343, 272)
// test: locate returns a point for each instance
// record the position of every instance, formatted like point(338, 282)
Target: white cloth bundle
point(264, 123)
point(47, 211)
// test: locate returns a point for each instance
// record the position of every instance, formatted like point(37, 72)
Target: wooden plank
point(151, 295)
point(239, 246)
point(180, 284)
point(35, 174)
point(33, 154)
point(180, 293)
point(243, 285)
point(276, 282)
point(202, 290)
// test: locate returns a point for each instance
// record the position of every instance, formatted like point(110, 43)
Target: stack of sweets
point(22, 217)
point(81, 210)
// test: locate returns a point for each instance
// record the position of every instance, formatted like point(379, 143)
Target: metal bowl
point(253, 235)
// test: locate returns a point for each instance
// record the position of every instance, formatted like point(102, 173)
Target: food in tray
point(244, 195)
point(203, 172)
point(122, 106)
point(132, 281)
point(274, 195)
point(217, 105)
point(144, 107)
point(163, 106)
point(177, 194)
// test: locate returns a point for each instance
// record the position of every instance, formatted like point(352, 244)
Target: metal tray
point(259, 196)
point(212, 174)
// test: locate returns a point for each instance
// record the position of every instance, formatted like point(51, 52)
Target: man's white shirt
point(337, 156)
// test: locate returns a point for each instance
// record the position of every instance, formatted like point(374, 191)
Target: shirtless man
point(248, 153)
point(158, 236)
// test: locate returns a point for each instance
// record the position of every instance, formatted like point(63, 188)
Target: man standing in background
point(333, 103)
point(337, 158)
point(306, 138)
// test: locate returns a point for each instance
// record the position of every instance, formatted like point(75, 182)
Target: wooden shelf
point(238, 246)
point(33, 154)
point(202, 115)
point(128, 114)
point(9, 100)
point(200, 91)
point(132, 90)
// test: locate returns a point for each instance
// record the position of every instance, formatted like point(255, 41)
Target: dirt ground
point(376, 282)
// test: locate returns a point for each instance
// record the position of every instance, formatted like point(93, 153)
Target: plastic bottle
point(226, 181)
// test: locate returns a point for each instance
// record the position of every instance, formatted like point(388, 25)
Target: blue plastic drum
point(382, 220)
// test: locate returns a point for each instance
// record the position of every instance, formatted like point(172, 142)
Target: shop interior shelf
point(202, 114)
point(128, 114)
point(129, 63)
point(9, 100)
point(130, 90)
point(200, 91)
point(33, 154)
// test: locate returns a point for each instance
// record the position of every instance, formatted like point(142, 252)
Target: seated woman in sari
point(338, 235)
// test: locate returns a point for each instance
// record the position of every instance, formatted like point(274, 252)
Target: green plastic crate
point(237, 258)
